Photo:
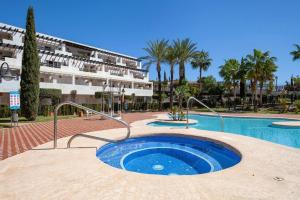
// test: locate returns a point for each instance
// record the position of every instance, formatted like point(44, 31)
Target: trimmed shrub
point(98, 95)
point(4, 111)
point(53, 94)
point(283, 104)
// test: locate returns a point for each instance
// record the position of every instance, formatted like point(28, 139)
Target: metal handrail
point(187, 112)
point(84, 135)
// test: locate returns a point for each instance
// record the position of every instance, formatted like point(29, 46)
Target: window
point(47, 48)
point(51, 63)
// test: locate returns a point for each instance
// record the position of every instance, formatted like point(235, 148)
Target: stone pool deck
point(258, 115)
point(288, 124)
point(76, 173)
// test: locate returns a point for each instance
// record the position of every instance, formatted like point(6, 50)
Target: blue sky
point(225, 28)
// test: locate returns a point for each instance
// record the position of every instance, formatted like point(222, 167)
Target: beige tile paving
point(76, 173)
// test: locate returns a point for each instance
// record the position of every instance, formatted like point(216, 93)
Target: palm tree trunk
point(252, 91)
point(242, 88)
point(171, 86)
point(180, 102)
point(159, 86)
point(255, 95)
point(242, 91)
point(200, 78)
point(234, 91)
point(260, 93)
point(234, 96)
point(181, 73)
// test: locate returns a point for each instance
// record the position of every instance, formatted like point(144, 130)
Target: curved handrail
point(187, 112)
point(84, 135)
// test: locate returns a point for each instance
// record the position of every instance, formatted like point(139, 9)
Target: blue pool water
point(254, 127)
point(168, 155)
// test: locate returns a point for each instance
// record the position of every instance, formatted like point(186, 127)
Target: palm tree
point(185, 50)
point(255, 63)
point(202, 61)
point(171, 59)
point(229, 72)
point(296, 53)
point(242, 74)
point(156, 51)
point(182, 92)
point(267, 73)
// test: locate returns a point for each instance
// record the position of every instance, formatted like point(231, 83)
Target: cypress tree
point(30, 76)
point(165, 78)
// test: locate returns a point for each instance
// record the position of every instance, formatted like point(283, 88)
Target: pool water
point(261, 128)
point(168, 155)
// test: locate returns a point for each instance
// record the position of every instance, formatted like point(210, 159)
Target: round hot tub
point(168, 155)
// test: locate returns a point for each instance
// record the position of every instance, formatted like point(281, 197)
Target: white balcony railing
point(90, 90)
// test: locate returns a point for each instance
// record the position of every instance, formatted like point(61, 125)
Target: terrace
point(249, 177)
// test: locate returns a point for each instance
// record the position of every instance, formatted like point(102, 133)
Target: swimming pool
point(261, 128)
point(168, 155)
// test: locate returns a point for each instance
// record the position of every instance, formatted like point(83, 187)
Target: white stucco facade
point(69, 66)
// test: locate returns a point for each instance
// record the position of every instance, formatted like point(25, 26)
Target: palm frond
point(296, 53)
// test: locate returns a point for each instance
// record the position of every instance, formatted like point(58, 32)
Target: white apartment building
point(71, 66)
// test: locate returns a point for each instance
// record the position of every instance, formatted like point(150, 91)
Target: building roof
point(45, 36)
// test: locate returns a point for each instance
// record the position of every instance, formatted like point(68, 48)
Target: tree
point(165, 78)
point(242, 74)
point(182, 92)
point(171, 59)
point(164, 83)
point(296, 53)
point(202, 62)
point(297, 83)
point(209, 83)
point(156, 54)
point(185, 50)
point(229, 72)
point(270, 87)
point(261, 68)
point(255, 62)
point(30, 76)
point(267, 73)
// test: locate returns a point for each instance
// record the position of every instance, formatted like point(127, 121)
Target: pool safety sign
point(14, 100)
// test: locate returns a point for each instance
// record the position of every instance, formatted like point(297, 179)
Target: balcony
point(57, 51)
point(53, 64)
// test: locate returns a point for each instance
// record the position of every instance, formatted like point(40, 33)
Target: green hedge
point(4, 111)
point(46, 110)
point(53, 94)
point(98, 95)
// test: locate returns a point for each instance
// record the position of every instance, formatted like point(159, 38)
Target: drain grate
point(276, 178)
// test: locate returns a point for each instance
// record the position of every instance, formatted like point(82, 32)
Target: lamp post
point(104, 86)
point(5, 72)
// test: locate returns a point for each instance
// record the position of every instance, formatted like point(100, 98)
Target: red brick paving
point(19, 139)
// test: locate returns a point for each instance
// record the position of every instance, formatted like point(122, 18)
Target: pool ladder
point(85, 135)
point(203, 104)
